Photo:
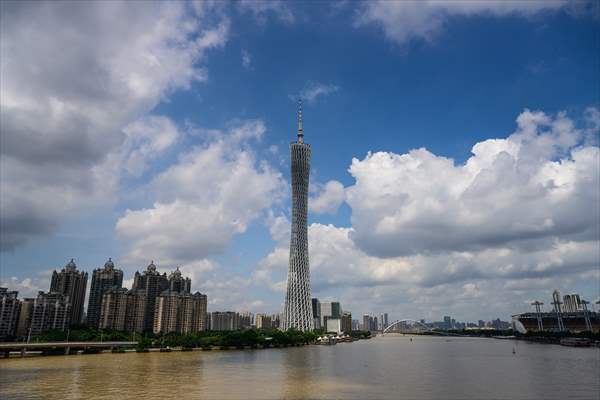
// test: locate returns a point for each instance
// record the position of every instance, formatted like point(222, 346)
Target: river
point(390, 367)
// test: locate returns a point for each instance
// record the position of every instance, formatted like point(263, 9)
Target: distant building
point(355, 325)
point(385, 321)
point(333, 325)
point(103, 279)
point(447, 322)
point(275, 321)
point(49, 311)
point(498, 324)
point(316, 310)
point(572, 303)
point(224, 321)
point(246, 320)
point(366, 325)
point(9, 312)
point(346, 322)
point(71, 283)
point(153, 284)
point(180, 312)
point(329, 309)
point(262, 321)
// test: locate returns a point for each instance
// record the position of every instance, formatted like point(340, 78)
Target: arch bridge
point(407, 326)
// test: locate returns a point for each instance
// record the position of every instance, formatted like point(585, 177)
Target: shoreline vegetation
point(256, 338)
point(204, 340)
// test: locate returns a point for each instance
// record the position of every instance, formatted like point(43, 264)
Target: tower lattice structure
point(298, 308)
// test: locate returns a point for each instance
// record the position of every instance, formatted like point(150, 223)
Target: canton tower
point(298, 308)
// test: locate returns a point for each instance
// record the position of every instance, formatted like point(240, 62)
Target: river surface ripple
point(390, 367)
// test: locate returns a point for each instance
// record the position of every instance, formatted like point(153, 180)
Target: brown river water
point(390, 367)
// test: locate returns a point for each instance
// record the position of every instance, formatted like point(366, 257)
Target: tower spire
point(300, 133)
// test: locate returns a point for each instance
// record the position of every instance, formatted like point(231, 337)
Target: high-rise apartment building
point(224, 321)
point(49, 311)
point(114, 309)
point(298, 308)
point(135, 313)
point(9, 312)
point(71, 283)
point(103, 279)
point(180, 312)
point(246, 320)
point(153, 284)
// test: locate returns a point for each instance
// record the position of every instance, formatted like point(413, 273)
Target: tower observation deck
point(298, 308)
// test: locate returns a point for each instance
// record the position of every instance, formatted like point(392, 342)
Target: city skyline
point(455, 167)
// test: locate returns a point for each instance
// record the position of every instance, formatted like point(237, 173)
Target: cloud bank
point(64, 104)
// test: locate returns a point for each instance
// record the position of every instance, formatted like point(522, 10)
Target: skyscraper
point(102, 279)
point(153, 284)
point(71, 283)
point(298, 308)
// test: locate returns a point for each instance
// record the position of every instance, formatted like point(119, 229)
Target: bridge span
point(53, 347)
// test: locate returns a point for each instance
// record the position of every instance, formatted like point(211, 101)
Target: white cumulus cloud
point(402, 21)
point(328, 199)
point(537, 184)
point(213, 193)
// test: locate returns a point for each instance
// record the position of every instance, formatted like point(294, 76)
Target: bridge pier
point(67, 351)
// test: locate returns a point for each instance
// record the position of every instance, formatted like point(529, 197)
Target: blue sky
point(392, 77)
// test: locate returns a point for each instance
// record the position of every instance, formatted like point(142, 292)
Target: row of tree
point(204, 339)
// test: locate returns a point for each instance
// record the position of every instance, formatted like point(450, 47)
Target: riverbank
point(54, 343)
point(65, 349)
